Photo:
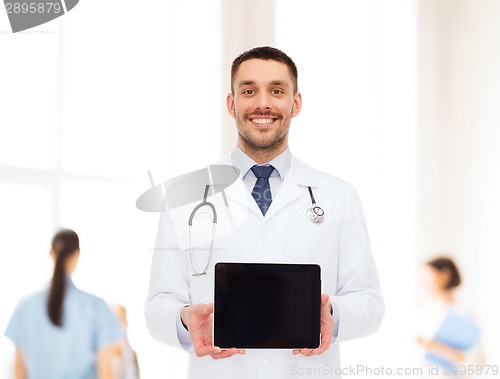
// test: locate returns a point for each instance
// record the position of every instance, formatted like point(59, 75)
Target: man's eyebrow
point(281, 83)
point(246, 83)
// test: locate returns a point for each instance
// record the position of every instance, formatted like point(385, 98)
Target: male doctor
point(269, 202)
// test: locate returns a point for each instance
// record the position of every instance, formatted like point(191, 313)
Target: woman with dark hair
point(442, 279)
point(62, 332)
point(447, 276)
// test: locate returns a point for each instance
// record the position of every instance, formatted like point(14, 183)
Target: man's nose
point(263, 101)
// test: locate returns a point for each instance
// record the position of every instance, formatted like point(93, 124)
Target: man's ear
point(297, 104)
point(230, 104)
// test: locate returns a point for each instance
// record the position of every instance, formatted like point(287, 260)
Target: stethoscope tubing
point(315, 215)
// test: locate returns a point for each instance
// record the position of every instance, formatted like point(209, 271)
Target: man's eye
point(248, 92)
point(277, 92)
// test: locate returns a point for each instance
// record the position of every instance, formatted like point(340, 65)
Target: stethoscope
point(315, 214)
point(204, 203)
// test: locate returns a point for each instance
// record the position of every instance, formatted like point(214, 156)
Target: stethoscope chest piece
point(316, 214)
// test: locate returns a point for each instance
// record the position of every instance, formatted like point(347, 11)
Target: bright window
point(89, 102)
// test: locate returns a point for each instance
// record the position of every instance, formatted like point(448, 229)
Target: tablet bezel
point(311, 302)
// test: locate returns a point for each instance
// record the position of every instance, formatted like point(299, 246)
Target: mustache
point(262, 113)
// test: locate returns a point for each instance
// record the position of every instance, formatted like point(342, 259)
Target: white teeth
point(262, 120)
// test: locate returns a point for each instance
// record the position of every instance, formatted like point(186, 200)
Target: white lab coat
point(339, 245)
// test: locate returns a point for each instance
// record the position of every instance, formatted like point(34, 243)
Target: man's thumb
point(209, 308)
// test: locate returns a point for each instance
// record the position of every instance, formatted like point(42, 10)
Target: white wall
point(124, 88)
point(458, 154)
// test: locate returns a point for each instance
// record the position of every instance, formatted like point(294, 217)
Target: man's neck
point(262, 155)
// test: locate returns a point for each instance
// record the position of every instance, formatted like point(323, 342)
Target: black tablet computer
point(267, 306)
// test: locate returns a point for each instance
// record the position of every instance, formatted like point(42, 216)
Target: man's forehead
point(263, 71)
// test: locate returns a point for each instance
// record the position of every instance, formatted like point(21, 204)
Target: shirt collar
point(244, 163)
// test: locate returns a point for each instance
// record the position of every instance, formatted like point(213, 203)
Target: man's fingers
point(309, 352)
point(201, 333)
point(201, 309)
point(325, 299)
point(306, 352)
point(325, 345)
point(326, 330)
point(227, 353)
point(216, 352)
point(326, 307)
point(209, 308)
point(202, 351)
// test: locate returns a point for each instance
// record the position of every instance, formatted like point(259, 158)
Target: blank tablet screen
point(265, 306)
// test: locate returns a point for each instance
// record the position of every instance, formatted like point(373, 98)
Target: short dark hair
point(265, 53)
point(445, 264)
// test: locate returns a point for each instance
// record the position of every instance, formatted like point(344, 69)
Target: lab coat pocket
point(326, 365)
point(207, 367)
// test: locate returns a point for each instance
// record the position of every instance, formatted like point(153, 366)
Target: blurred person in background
point(442, 308)
point(61, 332)
point(125, 361)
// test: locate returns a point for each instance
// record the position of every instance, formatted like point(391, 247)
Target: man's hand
point(326, 329)
point(198, 319)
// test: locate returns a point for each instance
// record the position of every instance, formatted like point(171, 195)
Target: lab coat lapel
point(238, 191)
point(298, 178)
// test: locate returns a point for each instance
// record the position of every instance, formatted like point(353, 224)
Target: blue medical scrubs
point(67, 352)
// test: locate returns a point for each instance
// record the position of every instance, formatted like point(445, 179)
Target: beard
point(265, 139)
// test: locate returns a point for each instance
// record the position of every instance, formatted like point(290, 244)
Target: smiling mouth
point(262, 121)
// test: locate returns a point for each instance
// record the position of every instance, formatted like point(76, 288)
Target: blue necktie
point(262, 191)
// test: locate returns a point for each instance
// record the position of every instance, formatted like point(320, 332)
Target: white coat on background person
point(339, 245)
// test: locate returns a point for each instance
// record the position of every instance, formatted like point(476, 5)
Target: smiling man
point(263, 99)
point(282, 224)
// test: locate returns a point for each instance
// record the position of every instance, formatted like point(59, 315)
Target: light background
point(400, 98)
